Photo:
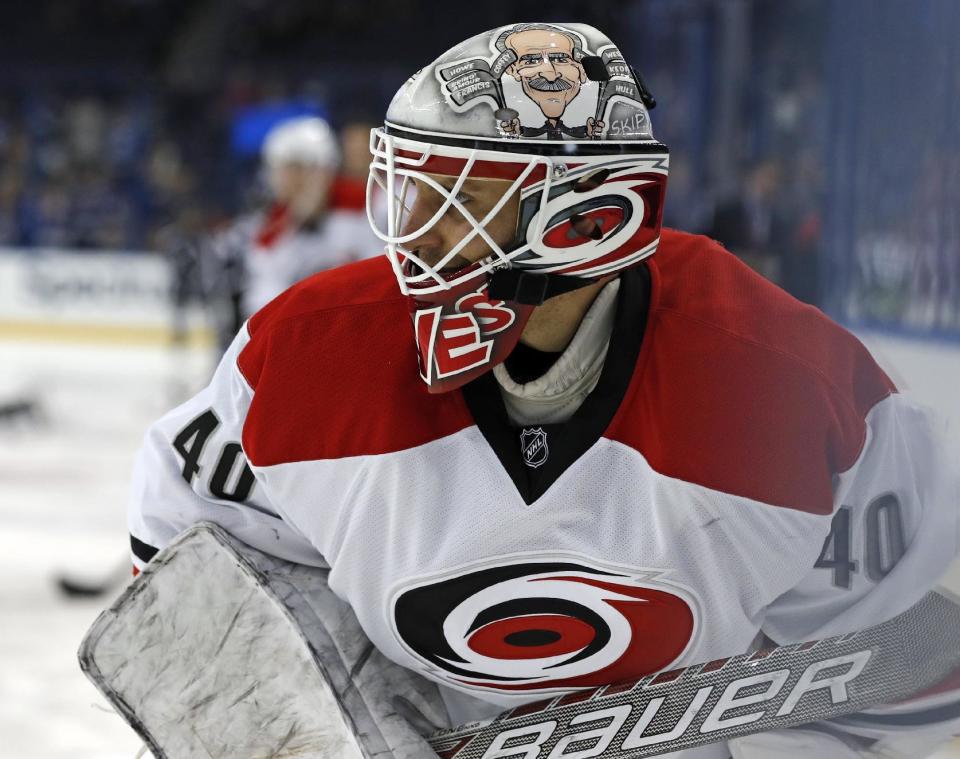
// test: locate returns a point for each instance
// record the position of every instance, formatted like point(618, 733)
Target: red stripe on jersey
point(738, 388)
point(741, 388)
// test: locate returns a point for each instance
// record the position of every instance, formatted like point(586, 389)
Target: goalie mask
point(552, 121)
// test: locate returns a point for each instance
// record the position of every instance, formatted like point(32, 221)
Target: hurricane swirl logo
point(625, 210)
point(544, 625)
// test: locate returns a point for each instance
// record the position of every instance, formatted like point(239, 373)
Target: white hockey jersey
point(742, 467)
point(276, 252)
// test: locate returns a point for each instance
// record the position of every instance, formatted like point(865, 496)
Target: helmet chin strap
point(529, 288)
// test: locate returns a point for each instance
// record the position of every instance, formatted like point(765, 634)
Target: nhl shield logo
point(533, 444)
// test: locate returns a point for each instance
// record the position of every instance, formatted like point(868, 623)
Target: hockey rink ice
point(63, 479)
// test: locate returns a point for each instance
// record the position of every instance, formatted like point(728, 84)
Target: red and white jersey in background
point(742, 467)
point(277, 252)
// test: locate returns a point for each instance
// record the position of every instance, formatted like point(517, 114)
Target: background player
point(314, 221)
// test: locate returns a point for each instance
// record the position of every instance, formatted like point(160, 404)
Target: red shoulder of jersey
point(743, 388)
point(348, 194)
point(334, 372)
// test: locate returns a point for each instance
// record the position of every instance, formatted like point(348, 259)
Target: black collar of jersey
point(567, 442)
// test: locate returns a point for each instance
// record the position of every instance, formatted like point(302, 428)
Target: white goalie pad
point(218, 650)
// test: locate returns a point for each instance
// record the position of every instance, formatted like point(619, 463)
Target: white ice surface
point(63, 486)
point(63, 481)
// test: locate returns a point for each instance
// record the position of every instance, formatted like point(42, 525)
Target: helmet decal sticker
point(455, 339)
point(624, 208)
point(531, 623)
point(539, 84)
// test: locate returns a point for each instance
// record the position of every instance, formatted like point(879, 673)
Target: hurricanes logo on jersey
point(544, 624)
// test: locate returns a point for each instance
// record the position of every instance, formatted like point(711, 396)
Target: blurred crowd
point(137, 149)
point(86, 172)
point(91, 172)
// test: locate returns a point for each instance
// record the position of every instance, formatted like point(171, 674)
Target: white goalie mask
point(554, 113)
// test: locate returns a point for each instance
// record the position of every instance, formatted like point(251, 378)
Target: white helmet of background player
point(555, 110)
point(301, 156)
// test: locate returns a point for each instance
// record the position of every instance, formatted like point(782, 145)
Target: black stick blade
point(595, 68)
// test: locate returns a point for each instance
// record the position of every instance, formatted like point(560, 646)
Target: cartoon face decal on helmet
point(538, 75)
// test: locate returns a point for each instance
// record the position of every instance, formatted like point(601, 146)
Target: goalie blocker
point(218, 650)
point(260, 658)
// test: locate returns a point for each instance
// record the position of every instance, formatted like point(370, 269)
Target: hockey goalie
point(540, 447)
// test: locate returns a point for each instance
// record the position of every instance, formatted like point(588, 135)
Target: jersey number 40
point(883, 541)
point(190, 443)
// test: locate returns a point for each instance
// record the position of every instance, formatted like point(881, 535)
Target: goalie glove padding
point(217, 649)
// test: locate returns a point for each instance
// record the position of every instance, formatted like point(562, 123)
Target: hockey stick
point(74, 586)
point(769, 689)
